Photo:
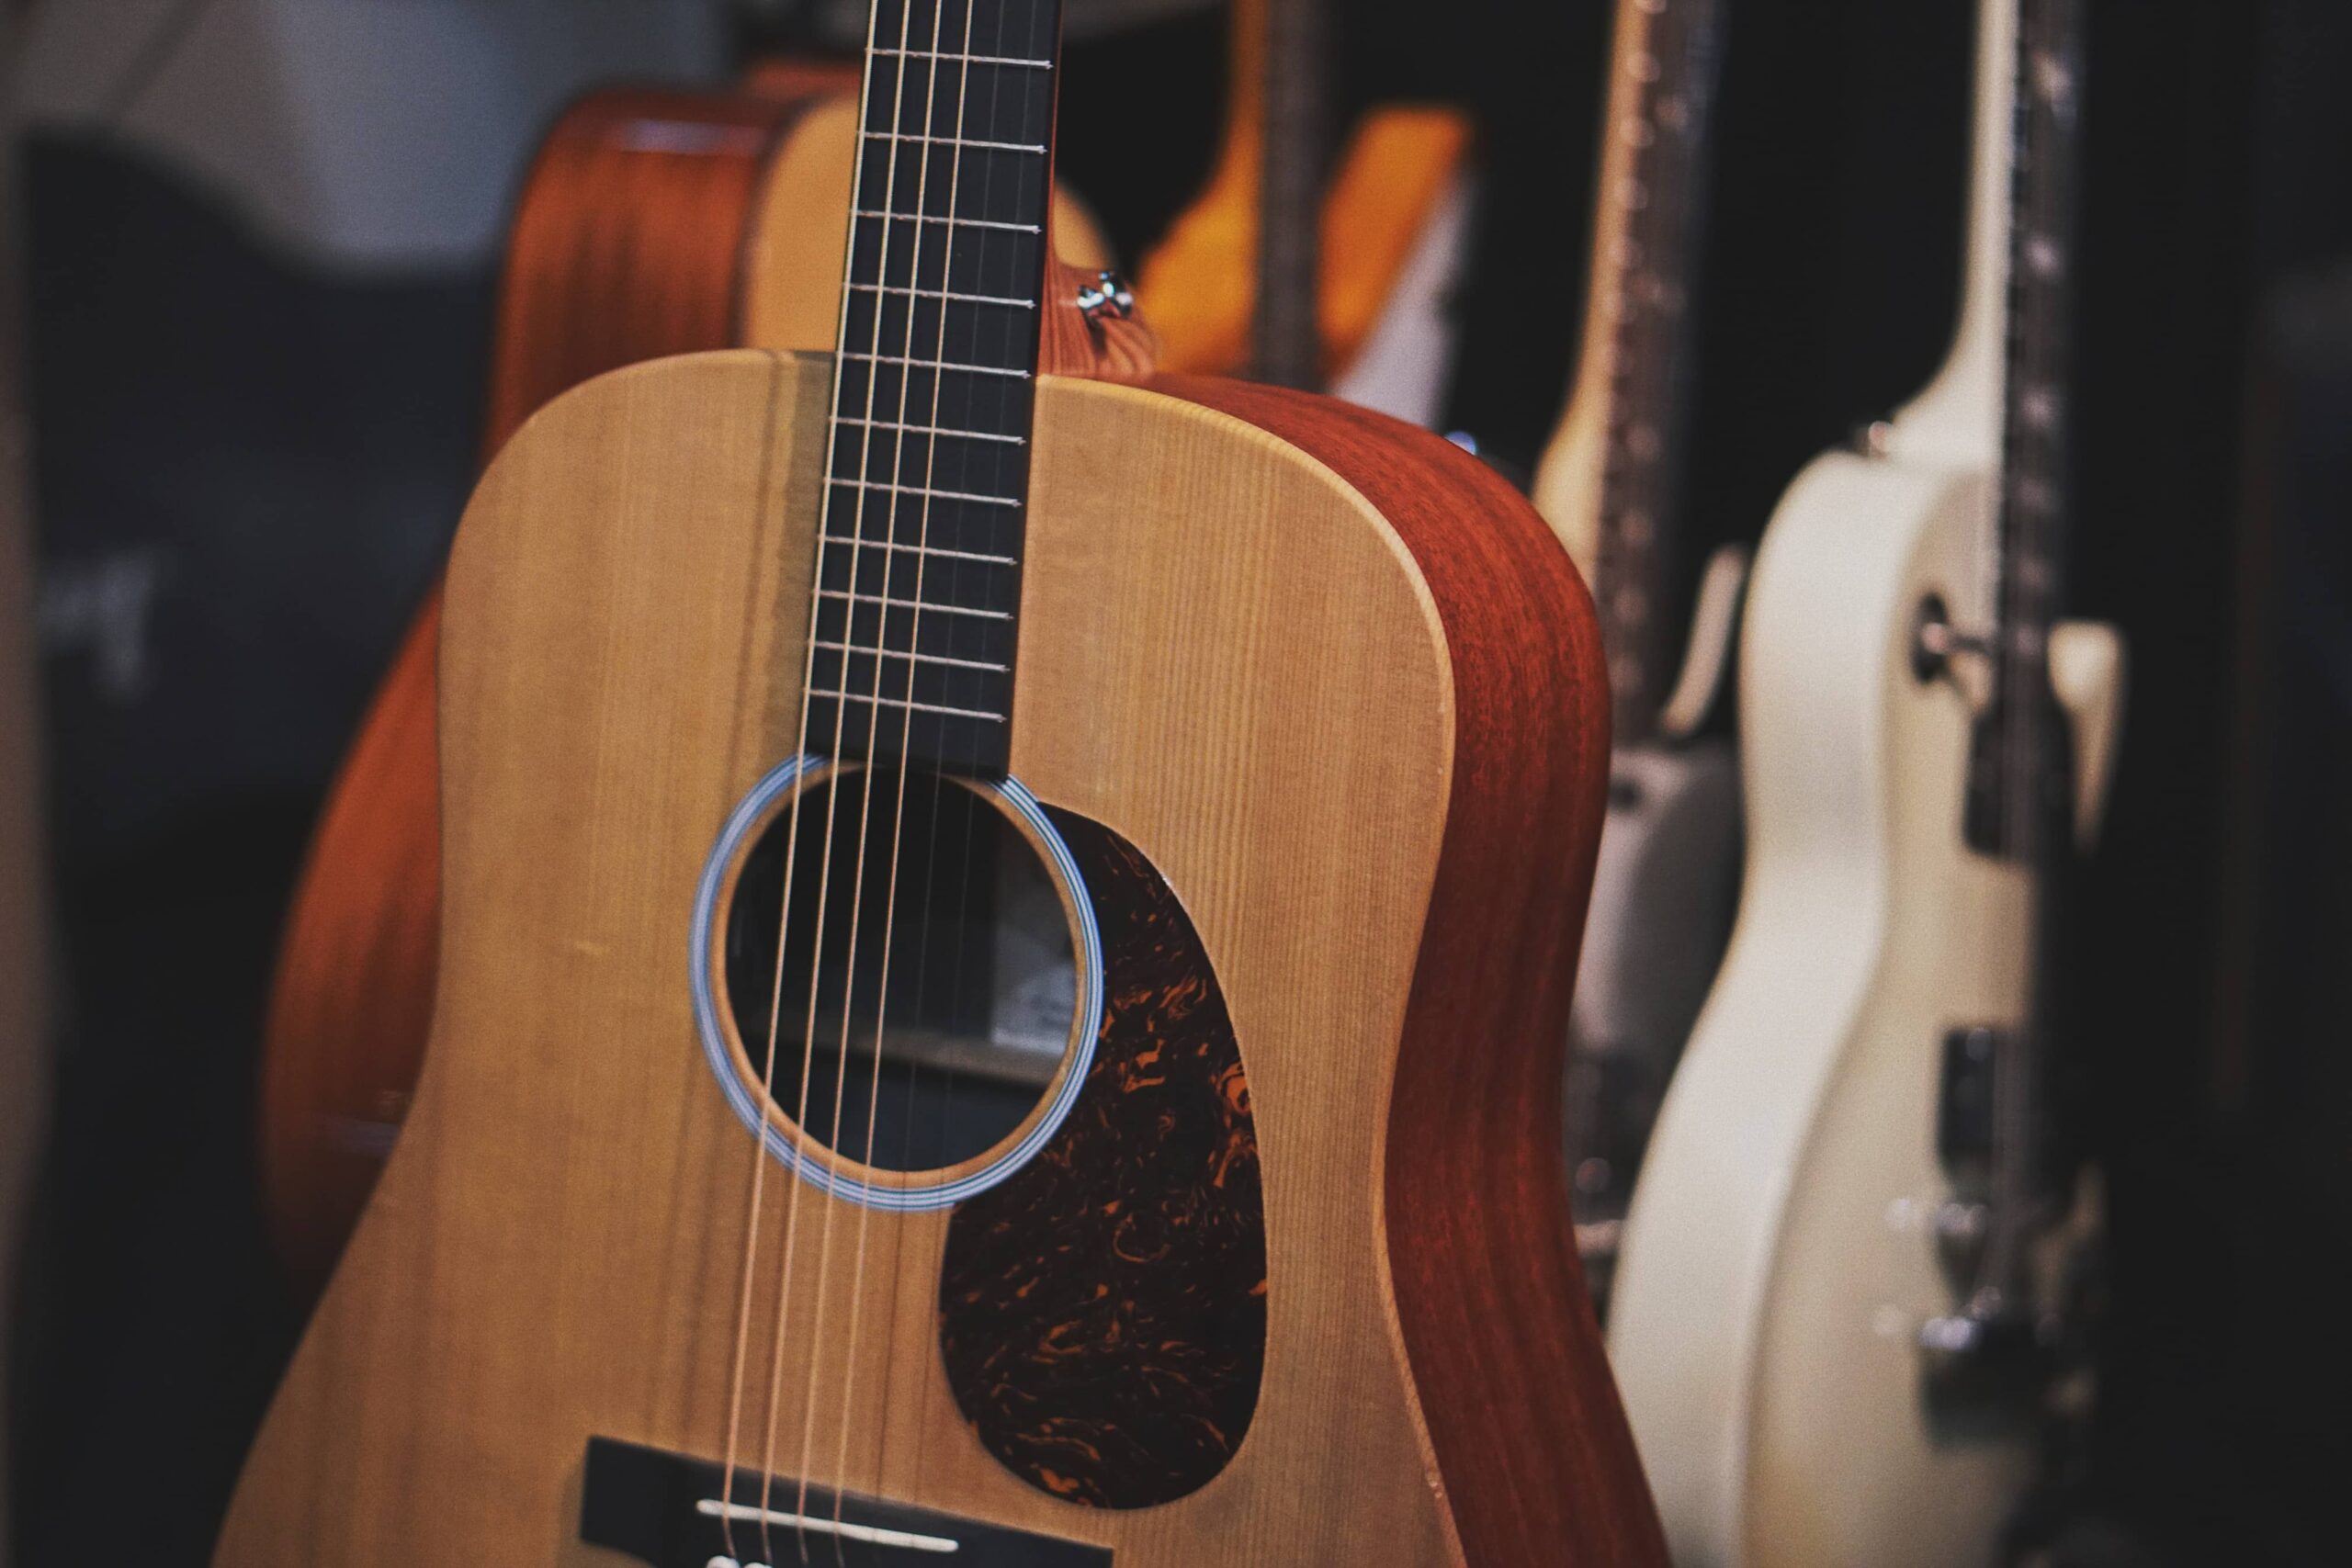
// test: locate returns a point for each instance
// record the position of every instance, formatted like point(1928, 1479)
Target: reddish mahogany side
point(1508, 1359)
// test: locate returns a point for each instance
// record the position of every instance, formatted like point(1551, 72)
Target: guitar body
point(1610, 483)
point(1843, 1304)
point(1393, 214)
point(1663, 892)
point(653, 223)
point(1315, 701)
point(1779, 1260)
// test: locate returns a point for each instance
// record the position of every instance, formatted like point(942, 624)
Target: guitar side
point(554, 1252)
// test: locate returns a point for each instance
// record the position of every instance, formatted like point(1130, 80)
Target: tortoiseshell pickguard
point(1103, 1311)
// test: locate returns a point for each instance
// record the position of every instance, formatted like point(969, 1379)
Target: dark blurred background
point(258, 244)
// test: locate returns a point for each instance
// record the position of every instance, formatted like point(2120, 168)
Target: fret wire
point(934, 364)
point(960, 223)
point(932, 430)
point(968, 59)
point(959, 143)
point(915, 605)
point(917, 658)
point(940, 551)
point(948, 294)
point(906, 703)
point(929, 494)
point(1001, 117)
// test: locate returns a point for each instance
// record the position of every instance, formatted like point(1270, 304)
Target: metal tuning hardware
point(1993, 1346)
point(1874, 439)
point(2001, 1338)
point(1936, 643)
point(1107, 297)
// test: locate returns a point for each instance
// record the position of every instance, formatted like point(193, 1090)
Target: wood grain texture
point(1233, 661)
point(626, 246)
point(792, 282)
point(1489, 1294)
point(653, 223)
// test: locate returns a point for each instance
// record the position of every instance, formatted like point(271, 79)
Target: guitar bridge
point(669, 1511)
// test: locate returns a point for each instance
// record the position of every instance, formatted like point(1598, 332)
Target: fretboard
point(1666, 56)
point(2018, 782)
point(916, 615)
point(1286, 326)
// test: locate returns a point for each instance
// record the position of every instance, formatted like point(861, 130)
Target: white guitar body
point(1662, 899)
point(1780, 1256)
point(1778, 1262)
point(1661, 896)
point(1668, 868)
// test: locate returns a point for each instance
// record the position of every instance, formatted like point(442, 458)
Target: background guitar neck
point(2018, 796)
point(1287, 327)
point(2017, 793)
point(1663, 71)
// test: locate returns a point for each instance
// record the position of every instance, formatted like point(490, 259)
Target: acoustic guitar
point(1005, 944)
point(651, 223)
point(1843, 1293)
point(1610, 483)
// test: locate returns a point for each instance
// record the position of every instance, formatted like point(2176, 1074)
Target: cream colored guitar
point(1609, 485)
point(1832, 1306)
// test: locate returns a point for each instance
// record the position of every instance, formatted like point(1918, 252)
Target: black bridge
point(666, 1510)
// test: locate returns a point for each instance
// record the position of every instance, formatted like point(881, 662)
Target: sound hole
point(925, 937)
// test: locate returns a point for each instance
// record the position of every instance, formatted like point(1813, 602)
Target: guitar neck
point(919, 558)
point(1287, 327)
point(2017, 788)
point(1664, 67)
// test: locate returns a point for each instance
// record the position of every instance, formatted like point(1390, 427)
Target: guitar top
point(652, 224)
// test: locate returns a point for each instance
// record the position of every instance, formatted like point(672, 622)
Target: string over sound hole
point(930, 976)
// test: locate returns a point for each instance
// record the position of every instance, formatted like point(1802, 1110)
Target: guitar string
point(800, 788)
point(834, 772)
point(971, 802)
point(938, 368)
point(824, 1291)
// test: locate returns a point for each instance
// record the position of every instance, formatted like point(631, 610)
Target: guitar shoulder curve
point(1487, 1291)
